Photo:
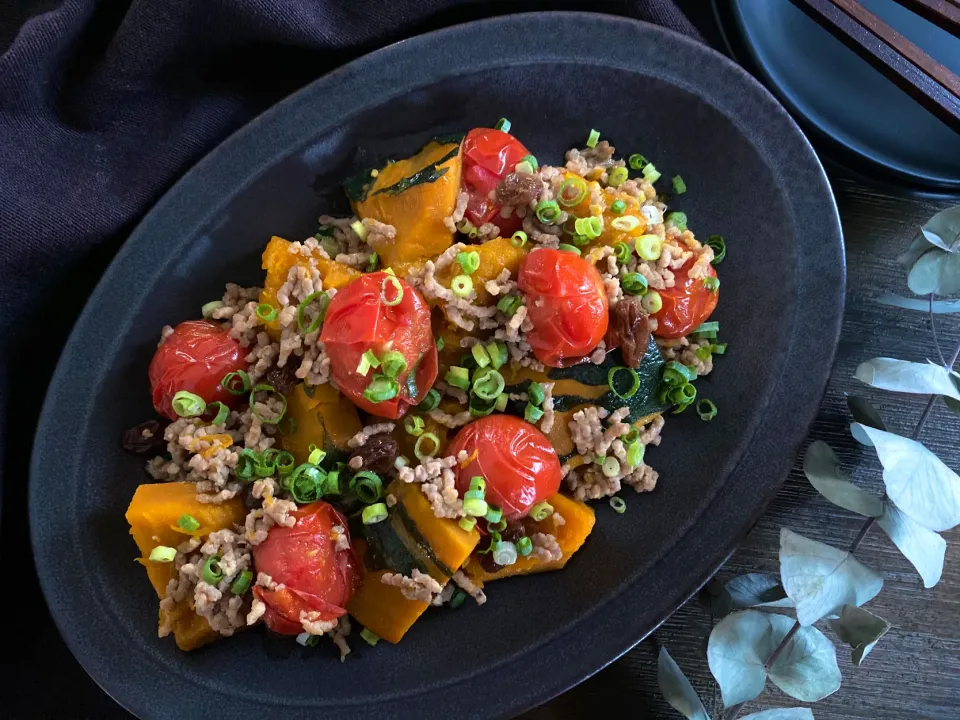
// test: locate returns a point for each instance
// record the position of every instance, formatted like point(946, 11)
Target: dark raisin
point(518, 189)
point(283, 379)
point(514, 532)
point(488, 563)
point(379, 453)
point(135, 441)
point(629, 330)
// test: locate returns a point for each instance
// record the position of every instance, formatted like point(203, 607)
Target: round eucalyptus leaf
point(864, 412)
point(922, 547)
point(758, 590)
point(936, 272)
point(781, 714)
point(907, 377)
point(938, 307)
point(822, 468)
point(860, 629)
point(677, 690)
point(943, 229)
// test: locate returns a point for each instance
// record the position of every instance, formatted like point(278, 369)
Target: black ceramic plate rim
point(850, 159)
point(612, 627)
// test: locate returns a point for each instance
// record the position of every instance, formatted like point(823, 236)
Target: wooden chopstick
point(943, 13)
point(923, 78)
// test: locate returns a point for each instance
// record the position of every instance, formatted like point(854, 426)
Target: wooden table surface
point(914, 671)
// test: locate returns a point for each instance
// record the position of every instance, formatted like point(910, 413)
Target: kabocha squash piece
point(412, 537)
point(327, 420)
point(277, 261)
point(612, 233)
point(414, 195)
point(495, 256)
point(578, 523)
point(153, 514)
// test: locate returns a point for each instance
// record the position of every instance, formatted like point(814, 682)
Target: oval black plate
point(871, 126)
point(752, 177)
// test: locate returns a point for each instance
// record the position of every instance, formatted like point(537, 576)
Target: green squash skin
point(357, 187)
point(393, 553)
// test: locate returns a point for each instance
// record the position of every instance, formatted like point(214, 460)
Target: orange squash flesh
point(153, 514)
point(327, 420)
point(579, 519)
point(383, 609)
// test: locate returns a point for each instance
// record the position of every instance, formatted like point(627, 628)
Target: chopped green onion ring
point(625, 223)
point(413, 424)
point(188, 404)
point(623, 252)
point(649, 247)
point(572, 191)
point(208, 308)
point(391, 281)
point(719, 246)
point(711, 283)
point(677, 220)
point(430, 401)
point(617, 176)
point(536, 394)
point(637, 161)
point(618, 504)
point(618, 207)
point(610, 467)
point(223, 412)
point(189, 523)
point(372, 514)
point(468, 523)
point(592, 138)
point(212, 572)
point(634, 381)
point(368, 637)
point(393, 363)
point(503, 124)
point(706, 410)
point(367, 485)
point(381, 389)
point(519, 239)
point(652, 302)
point(229, 382)
point(635, 453)
point(480, 355)
point(263, 387)
point(421, 451)
point(634, 284)
point(524, 546)
point(541, 511)
point(302, 325)
point(679, 186)
point(469, 261)
point(462, 285)
point(569, 248)
point(547, 211)
point(242, 582)
point(162, 553)
point(267, 312)
point(532, 414)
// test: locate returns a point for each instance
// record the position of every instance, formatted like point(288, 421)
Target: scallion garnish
point(718, 348)
point(502, 124)
point(679, 186)
point(478, 484)
point(497, 354)
point(568, 248)
point(208, 308)
point(706, 410)
point(316, 456)
point(592, 138)
point(393, 364)
point(430, 401)
point(637, 161)
point(541, 511)
point(532, 161)
point(626, 223)
point(536, 394)
point(267, 312)
point(212, 572)
point(413, 424)
point(523, 167)
point(719, 246)
point(707, 330)
point(572, 191)
point(676, 374)
point(468, 523)
point(285, 462)
point(677, 220)
point(504, 552)
point(488, 384)
point(617, 176)
point(369, 638)
point(222, 412)
point(635, 453)
point(703, 353)
point(634, 284)
point(623, 252)
point(497, 526)
point(242, 582)
point(652, 302)
point(509, 304)
point(501, 403)
point(634, 381)
point(391, 282)
point(236, 383)
point(305, 484)
point(458, 377)
point(610, 467)
point(532, 414)
point(618, 207)
point(367, 485)
point(163, 554)
point(649, 247)
point(427, 441)
point(188, 404)
point(302, 325)
point(650, 173)
point(494, 515)
point(367, 360)
point(381, 389)
point(711, 283)
point(524, 546)
point(519, 239)
point(618, 505)
point(469, 261)
point(372, 262)
point(477, 507)
point(359, 229)
point(372, 514)
point(188, 523)
point(547, 211)
point(480, 355)
point(461, 285)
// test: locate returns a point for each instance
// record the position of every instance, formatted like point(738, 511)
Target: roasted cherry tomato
point(515, 459)
point(686, 305)
point(567, 304)
point(488, 156)
point(359, 319)
point(194, 358)
point(316, 576)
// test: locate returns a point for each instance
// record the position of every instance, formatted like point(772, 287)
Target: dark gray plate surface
point(847, 100)
point(751, 176)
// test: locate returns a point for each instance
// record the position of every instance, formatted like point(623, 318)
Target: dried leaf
point(936, 272)
point(860, 629)
point(781, 714)
point(677, 690)
point(758, 590)
point(917, 480)
point(939, 307)
point(822, 468)
point(943, 229)
point(865, 413)
point(922, 547)
point(918, 247)
point(860, 434)
point(907, 377)
point(821, 579)
point(741, 644)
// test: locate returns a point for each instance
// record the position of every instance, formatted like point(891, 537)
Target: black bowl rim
point(590, 39)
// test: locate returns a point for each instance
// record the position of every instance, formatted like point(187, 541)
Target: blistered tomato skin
point(488, 156)
point(317, 578)
point(566, 302)
point(195, 358)
point(359, 319)
point(686, 305)
point(515, 459)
